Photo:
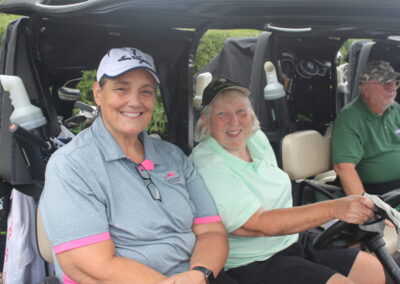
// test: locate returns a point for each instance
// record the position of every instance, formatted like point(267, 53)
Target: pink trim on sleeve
point(81, 242)
point(67, 280)
point(205, 220)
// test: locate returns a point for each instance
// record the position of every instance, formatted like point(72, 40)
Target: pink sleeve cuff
point(205, 220)
point(67, 280)
point(81, 242)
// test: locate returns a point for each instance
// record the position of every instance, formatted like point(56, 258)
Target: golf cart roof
point(334, 15)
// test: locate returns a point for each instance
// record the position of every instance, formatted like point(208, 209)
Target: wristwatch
point(208, 274)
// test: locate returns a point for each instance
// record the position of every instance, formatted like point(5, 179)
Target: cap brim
point(155, 75)
point(237, 88)
point(214, 89)
point(391, 76)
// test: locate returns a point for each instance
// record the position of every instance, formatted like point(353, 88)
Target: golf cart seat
point(43, 242)
point(306, 158)
point(310, 146)
point(307, 154)
point(44, 247)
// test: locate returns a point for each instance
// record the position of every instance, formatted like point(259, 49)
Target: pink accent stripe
point(205, 220)
point(67, 280)
point(81, 242)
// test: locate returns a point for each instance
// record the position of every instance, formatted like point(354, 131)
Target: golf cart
point(56, 40)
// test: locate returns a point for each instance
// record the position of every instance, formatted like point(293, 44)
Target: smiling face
point(379, 96)
point(127, 103)
point(230, 121)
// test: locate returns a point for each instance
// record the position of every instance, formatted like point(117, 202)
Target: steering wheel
point(342, 234)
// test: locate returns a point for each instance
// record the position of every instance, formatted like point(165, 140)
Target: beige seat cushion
point(391, 239)
point(43, 242)
point(306, 153)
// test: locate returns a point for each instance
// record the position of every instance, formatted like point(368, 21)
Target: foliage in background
point(85, 86)
point(158, 122)
point(4, 20)
point(344, 49)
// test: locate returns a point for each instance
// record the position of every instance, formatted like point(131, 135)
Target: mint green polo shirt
point(240, 188)
point(368, 140)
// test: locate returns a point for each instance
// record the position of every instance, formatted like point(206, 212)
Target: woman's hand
point(188, 277)
point(353, 209)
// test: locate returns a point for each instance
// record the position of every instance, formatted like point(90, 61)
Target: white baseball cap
point(118, 61)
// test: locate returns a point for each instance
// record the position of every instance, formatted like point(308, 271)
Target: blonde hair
point(202, 130)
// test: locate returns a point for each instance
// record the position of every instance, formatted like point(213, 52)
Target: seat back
point(357, 64)
point(306, 153)
point(43, 242)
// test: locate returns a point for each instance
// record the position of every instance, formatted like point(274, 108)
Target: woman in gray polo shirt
point(253, 197)
point(122, 207)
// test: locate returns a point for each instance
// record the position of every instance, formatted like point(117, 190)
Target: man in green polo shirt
point(366, 134)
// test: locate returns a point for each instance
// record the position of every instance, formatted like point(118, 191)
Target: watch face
point(210, 276)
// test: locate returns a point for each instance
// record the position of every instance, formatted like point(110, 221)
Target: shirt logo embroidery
point(170, 174)
point(172, 178)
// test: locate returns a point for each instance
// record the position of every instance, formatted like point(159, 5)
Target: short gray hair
point(202, 131)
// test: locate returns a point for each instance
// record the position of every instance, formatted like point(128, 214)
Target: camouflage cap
point(378, 70)
point(213, 89)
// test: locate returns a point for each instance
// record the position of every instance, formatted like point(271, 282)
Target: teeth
point(131, 114)
point(236, 132)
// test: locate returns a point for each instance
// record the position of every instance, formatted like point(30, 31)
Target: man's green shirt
point(368, 140)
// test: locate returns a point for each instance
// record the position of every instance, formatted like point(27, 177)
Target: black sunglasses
point(151, 187)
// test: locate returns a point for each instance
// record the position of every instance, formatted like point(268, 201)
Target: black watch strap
point(208, 274)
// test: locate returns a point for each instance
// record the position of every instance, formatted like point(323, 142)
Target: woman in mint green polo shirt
point(253, 198)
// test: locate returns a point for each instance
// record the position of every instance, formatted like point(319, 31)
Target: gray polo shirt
point(93, 192)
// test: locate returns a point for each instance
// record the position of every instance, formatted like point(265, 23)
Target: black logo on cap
point(134, 57)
